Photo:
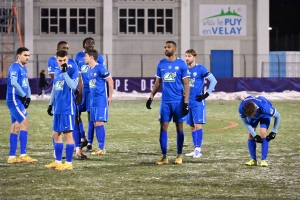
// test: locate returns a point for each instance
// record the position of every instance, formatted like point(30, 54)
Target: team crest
point(95, 74)
point(59, 85)
point(24, 83)
point(84, 68)
point(195, 74)
point(92, 83)
point(176, 68)
point(169, 77)
point(192, 82)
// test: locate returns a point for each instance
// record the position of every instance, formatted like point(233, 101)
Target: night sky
point(285, 15)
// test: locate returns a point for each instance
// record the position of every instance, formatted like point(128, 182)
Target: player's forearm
point(16, 85)
point(80, 85)
point(186, 90)
point(212, 83)
point(71, 83)
point(276, 122)
point(155, 89)
point(29, 90)
point(52, 97)
point(249, 127)
point(111, 88)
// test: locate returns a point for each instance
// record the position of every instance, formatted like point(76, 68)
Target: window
point(145, 21)
point(7, 21)
point(68, 20)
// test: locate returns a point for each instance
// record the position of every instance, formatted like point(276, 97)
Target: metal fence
point(142, 65)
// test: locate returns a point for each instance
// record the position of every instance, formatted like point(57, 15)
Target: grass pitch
point(128, 170)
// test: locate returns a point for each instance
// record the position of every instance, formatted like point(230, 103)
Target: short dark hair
point(172, 42)
point(86, 39)
point(249, 109)
point(61, 53)
point(21, 49)
point(60, 43)
point(92, 52)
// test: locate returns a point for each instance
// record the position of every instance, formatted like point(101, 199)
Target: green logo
point(170, 77)
point(84, 68)
point(223, 14)
point(59, 85)
point(92, 83)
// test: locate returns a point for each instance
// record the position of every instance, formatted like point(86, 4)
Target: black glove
point(24, 99)
point(185, 109)
point(201, 97)
point(271, 136)
point(64, 67)
point(26, 105)
point(49, 110)
point(148, 103)
point(258, 139)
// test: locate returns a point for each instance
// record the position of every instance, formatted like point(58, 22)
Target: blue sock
point(199, 138)
point(23, 141)
point(69, 152)
point(180, 140)
point(101, 135)
point(13, 140)
point(59, 147)
point(264, 149)
point(194, 136)
point(81, 130)
point(90, 132)
point(76, 135)
point(163, 140)
point(252, 148)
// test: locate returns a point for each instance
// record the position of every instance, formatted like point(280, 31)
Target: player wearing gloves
point(18, 99)
point(173, 76)
point(197, 102)
point(256, 110)
point(63, 101)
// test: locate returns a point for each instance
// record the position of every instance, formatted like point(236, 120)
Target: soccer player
point(197, 102)
point(88, 43)
point(63, 101)
point(52, 67)
point(42, 84)
point(172, 74)
point(18, 99)
point(256, 110)
point(98, 76)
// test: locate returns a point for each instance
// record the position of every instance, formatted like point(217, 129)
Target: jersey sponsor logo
point(92, 83)
point(170, 67)
point(84, 68)
point(59, 85)
point(192, 82)
point(169, 77)
point(24, 83)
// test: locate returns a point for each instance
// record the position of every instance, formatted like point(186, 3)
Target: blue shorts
point(169, 111)
point(62, 123)
point(99, 114)
point(17, 111)
point(197, 115)
point(85, 102)
point(264, 121)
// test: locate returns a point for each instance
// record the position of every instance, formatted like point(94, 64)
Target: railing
point(142, 65)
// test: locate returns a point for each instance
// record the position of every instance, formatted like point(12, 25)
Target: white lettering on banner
point(143, 85)
point(151, 84)
point(125, 85)
point(117, 84)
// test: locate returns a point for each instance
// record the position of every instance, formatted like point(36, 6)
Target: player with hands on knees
point(197, 103)
point(256, 110)
point(173, 76)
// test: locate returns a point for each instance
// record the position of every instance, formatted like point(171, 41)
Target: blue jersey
point(16, 71)
point(97, 84)
point(198, 73)
point(172, 74)
point(264, 107)
point(53, 65)
point(83, 67)
point(64, 96)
